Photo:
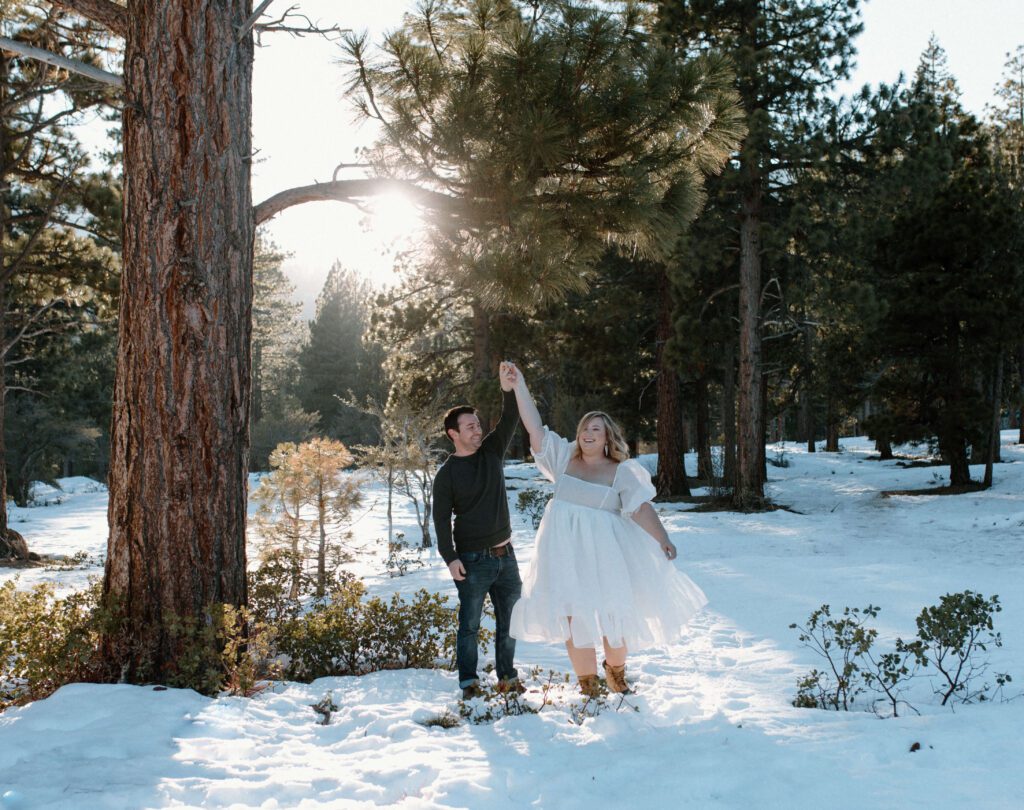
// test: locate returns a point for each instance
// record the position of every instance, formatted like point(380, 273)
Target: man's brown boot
point(616, 677)
point(590, 686)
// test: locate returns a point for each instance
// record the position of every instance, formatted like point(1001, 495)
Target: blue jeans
point(499, 577)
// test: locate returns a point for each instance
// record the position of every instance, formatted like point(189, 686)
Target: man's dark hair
point(451, 419)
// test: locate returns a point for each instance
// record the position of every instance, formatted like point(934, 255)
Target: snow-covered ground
point(715, 726)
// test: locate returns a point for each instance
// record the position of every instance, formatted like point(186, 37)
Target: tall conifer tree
point(787, 54)
point(557, 127)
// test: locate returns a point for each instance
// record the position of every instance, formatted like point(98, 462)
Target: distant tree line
point(654, 207)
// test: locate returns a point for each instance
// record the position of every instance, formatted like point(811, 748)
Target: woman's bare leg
point(615, 656)
point(583, 659)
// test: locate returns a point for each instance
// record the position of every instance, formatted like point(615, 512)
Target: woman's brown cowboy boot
point(616, 677)
point(590, 686)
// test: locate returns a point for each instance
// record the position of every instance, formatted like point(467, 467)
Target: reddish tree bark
point(179, 450)
point(749, 489)
point(671, 477)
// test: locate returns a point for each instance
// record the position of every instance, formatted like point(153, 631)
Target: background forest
point(817, 268)
point(656, 209)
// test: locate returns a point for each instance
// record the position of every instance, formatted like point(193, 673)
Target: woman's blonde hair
point(615, 446)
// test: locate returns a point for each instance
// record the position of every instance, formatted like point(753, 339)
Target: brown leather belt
point(499, 551)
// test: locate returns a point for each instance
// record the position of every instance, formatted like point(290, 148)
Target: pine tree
point(340, 368)
point(308, 478)
point(1007, 121)
point(556, 128)
point(787, 53)
point(277, 331)
point(179, 450)
point(948, 237)
point(277, 337)
point(56, 271)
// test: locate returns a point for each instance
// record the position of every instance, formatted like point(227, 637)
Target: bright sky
point(303, 127)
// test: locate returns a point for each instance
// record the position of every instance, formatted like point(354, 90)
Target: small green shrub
point(842, 642)
point(273, 597)
point(532, 502)
point(350, 635)
point(401, 557)
point(953, 632)
point(46, 642)
point(228, 651)
point(950, 637)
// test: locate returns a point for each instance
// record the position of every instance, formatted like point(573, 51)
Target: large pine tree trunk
point(671, 478)
point(3, 390)
point(954, 453)
point(182, 392)
point(749, 491)
point(4, 214)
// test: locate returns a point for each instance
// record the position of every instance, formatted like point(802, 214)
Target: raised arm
point(527, 408)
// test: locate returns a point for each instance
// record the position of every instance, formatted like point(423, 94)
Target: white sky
point(303, 128)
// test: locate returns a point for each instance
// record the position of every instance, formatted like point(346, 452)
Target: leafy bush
point(954, 631)
point(46, 642)
point(347, 635)
point(401, 558)
point(950, 637)
point(842, 643)
point(229, 652)
point(532, 502)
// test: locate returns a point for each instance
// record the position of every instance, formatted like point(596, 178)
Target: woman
point(596, 577)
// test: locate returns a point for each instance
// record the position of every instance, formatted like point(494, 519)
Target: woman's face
point(592, 437)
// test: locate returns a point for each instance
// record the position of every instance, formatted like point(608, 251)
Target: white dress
point(593, 563)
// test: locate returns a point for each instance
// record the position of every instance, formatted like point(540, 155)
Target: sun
point(394, 225)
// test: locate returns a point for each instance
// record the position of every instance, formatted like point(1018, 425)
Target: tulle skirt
point(609, 576)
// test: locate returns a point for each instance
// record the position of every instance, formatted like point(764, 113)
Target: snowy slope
point(715, 726)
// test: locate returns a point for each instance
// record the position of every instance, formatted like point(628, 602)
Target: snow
point(714, 728)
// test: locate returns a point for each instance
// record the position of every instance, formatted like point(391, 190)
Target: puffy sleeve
point(634, 485)
point(554, 454)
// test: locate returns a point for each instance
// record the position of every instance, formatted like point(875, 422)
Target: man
point(471, 486)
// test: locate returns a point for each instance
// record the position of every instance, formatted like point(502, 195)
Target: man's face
point(469, 436)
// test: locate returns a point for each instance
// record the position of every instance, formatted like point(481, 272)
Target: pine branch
point(110, 15)
point(7, 272)
point(24, 334)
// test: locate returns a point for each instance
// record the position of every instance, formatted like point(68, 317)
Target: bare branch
point(341, 166)
point(73, 65)
point(248, 24)
point(352, 192)
point(103, 12)
point(283, 24)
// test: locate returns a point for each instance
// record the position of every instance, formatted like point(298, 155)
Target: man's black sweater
point(473, 489)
